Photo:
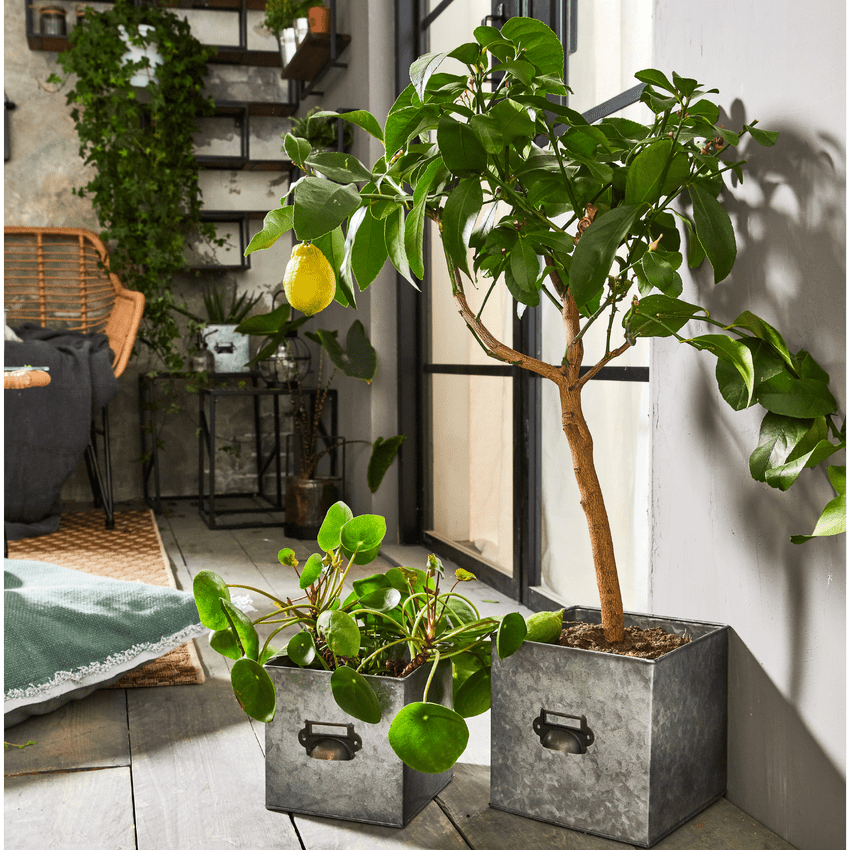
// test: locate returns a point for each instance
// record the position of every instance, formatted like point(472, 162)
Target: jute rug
point(132, 551)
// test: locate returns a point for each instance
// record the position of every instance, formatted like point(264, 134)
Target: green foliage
point(597, 219)
point(320, 128)
point(145, 189)
point(220, 312)
point(390, 624)
point(281, 14)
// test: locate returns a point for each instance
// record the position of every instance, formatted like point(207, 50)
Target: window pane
point(471, 465)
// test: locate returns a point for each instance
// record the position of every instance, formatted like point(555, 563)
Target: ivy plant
point(145, 189)
point(598, 219)
point(389, 624)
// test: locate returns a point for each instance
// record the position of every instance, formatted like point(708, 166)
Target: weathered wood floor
point(181, 768)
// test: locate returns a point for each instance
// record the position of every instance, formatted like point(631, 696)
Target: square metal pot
point(653, 732)
point(373, 785)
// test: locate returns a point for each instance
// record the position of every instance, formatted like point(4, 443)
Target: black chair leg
point(101, 480)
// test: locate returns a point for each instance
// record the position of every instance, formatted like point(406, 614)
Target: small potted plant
point(321, 130)
point(366, 677)
point(230, 348)
point(319, 18)
point(280, 17)
point(309, 494)
point(596, 220)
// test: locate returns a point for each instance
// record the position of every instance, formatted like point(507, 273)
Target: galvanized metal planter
point(321, 761)
point(623, 747)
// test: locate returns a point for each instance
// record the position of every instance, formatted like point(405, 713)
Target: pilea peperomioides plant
point(389, 624)
point(590, 217)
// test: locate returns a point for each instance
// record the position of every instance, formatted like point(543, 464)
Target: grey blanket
point(48, 428)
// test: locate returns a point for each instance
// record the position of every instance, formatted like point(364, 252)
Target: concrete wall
point(720, 540)
point(45, 167)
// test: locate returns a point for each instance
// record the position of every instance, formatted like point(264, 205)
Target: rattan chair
point(55, 277)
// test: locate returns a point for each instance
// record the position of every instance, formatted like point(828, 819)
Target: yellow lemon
point(309, 282)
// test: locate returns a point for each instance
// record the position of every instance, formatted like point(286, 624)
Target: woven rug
point(132, 551)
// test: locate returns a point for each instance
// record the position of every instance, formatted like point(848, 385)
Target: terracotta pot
point(319, 18)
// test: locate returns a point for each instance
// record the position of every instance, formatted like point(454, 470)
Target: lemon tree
point(527, 194)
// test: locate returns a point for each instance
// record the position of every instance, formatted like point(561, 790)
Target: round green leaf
point(312, 570)
point(363, 533)
point(209, 589)
point(365, 586)
point(511, 634)
point(243, 628)
point(302, 649)
point(224, 643)
point(383, 599)
point(355, 696)
point(545, 626)
point(254, 690)
point(337, 516)
point(428, 737)
point(473, 696)
point(340, 632)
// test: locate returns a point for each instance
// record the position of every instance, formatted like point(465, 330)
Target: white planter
point(135, 52)
point(302, 28)
point(288, 45)
point(230, 350)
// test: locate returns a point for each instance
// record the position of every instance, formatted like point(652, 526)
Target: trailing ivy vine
point(145, 190)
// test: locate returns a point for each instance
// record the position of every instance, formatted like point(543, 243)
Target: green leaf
point(803, 398)
point(209, 589)
point(363, 533)
point(394, 239)
point(369, 250)
point(766, 138)
point(511, 634)
point(523, 71)
point(784, 476)
point(647, 171)
point(761, 329)
point(383, 454)
point(537, 43)
point(428, 737)
point(661, 274)
point(340, 632)
point(545, 626)
point(833, 520)
point(302, 648)
point(358, 359)
point(714, 230)
point(365, 586)
point(383, 599)
point(359, 117)
point(766, 364)
point(409, 122)
point(244, 629)
point(312, 570)
point(462, 152)
point(778, 436)
point(224, 643)
point(329, 533)
point(254, 690)
point(468, 53)
point(275, 224)
point(524, 265)
point(297, 149)
point(732, 352)
point(659, 315)
point(355, 696)
point(461, 211)
point(473, 696)
point(320, 206)
point(341, 167)
point(596, 249)
point(422, 69)
point(414, 225)
point(655, 78)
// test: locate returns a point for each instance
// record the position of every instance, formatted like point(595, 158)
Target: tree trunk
point(593, 504)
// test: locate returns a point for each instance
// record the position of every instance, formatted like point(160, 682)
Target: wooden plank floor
point(181, 768)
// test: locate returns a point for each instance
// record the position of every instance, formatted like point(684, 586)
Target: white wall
point(720, 540)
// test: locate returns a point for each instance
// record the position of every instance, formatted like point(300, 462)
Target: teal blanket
point(65, 630)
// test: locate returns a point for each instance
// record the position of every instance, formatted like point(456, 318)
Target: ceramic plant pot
point(230, 350)
point(321, 761)
point(305, 504)
point(623, 747)
point(319, 18)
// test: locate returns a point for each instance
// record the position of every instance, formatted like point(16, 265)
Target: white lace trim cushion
point(121, 662)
